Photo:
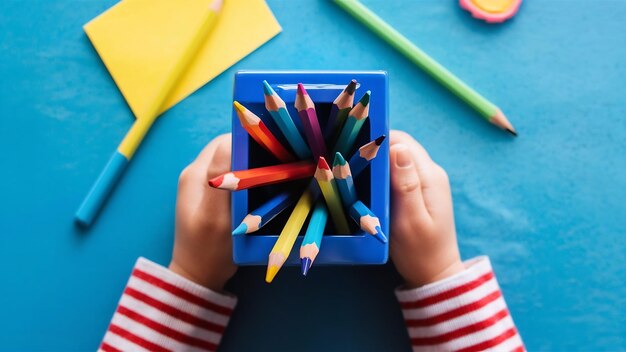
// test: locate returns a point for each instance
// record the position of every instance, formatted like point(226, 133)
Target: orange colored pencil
point(261, 134)
point(244, 179)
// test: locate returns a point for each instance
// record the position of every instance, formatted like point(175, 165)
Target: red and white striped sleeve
point(163, 311)
point(465, 312)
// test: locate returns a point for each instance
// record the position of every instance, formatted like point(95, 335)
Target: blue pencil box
point(372, 185)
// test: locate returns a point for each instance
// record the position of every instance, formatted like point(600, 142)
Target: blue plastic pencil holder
point(372, 184)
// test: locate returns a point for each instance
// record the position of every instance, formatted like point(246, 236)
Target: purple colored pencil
point(308, 116)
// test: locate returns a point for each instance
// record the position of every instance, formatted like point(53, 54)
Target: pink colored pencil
point(308, 116)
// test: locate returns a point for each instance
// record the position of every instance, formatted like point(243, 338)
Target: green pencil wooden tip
point(339, 159)
point(365, 99)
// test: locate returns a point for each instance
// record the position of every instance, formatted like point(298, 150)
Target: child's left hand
point(203, 245)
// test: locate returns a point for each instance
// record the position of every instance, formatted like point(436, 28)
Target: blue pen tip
point(241, 229)
point(267, 89)
point(306, 265)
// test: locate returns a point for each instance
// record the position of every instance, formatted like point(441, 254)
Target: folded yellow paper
point(140, 41)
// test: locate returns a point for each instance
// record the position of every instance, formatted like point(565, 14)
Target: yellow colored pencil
point(113, 170)
point(326, 181)
point(288, 235)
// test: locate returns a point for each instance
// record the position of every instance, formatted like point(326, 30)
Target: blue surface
point(359, 248)
point(549, 207)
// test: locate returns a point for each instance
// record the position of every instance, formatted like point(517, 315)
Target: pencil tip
point(339, 159)
point(380, 235)
point(351, 87)
point(322, 164)
point(306, 264)
point(513, 132)
point(365, 99)
point(301, 89)
point(267, 89)
point(216, 182)
point(380, 140)
point(238, 106)
point(272, 270)
point(242, 229)
point(217, 5)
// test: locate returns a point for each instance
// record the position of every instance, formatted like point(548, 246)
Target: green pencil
point(484, 107)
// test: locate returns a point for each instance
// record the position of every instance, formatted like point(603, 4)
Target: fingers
point(435, 187)
point(405, 182)
point(194, 193)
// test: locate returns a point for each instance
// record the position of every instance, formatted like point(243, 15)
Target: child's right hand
point(423, 242)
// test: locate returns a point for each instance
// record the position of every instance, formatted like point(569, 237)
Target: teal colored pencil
point(312, 241)
point(343, 178)
point(367, 221)
point(354, 122)
point(278, 110)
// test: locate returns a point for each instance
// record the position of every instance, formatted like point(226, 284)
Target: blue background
point(549, 207)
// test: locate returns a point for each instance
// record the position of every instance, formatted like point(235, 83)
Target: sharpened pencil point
point(216, 182)
point(365, 99)
point(267, 89)
point(351, 87)
point(380, 235)
point(339, 160)
point(379, 140)
point(239, 107)
point(512, 132)
point(322, 164)
point(306, 264)
point(272, 270)
point(301, 89)
point(242, 229)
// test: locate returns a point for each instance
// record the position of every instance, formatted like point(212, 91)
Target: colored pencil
point(260, 216)
point(306, 110)
point(353, 124)
point(288, 235)
point(244, 179)
point(328, 186)
point(343, 178)
point(261, 134)
point(484, 107)
point(278, 110)
point(339, 112)
point(112, 172)
point(312, 241)
point(363, 156)
point(367, 221)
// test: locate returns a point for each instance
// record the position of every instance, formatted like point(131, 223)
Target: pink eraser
point(491, 11)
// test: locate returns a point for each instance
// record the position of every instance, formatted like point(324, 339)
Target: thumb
point(405, 182)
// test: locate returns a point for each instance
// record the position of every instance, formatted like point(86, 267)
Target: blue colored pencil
point(343, 177)
point(265, 213)
point(352, 126)
point(363, 156)
point(278, 110)
point(367, 221)
point(312, 241)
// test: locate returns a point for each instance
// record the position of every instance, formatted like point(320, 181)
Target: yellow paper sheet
point(140, 41)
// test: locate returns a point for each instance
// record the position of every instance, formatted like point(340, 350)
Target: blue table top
point(549, 207)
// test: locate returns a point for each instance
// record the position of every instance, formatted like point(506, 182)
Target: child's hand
point(203, 245)
point(423, 243)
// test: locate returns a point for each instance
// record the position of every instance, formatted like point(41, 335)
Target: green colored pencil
point(352, 126)
point(484, 107)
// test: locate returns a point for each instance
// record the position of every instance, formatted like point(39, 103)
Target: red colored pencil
point(244, 179)
point(261, 134)
point(308, 116)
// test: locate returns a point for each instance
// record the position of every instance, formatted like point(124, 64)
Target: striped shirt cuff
point(163, 311)
point(464, 312)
